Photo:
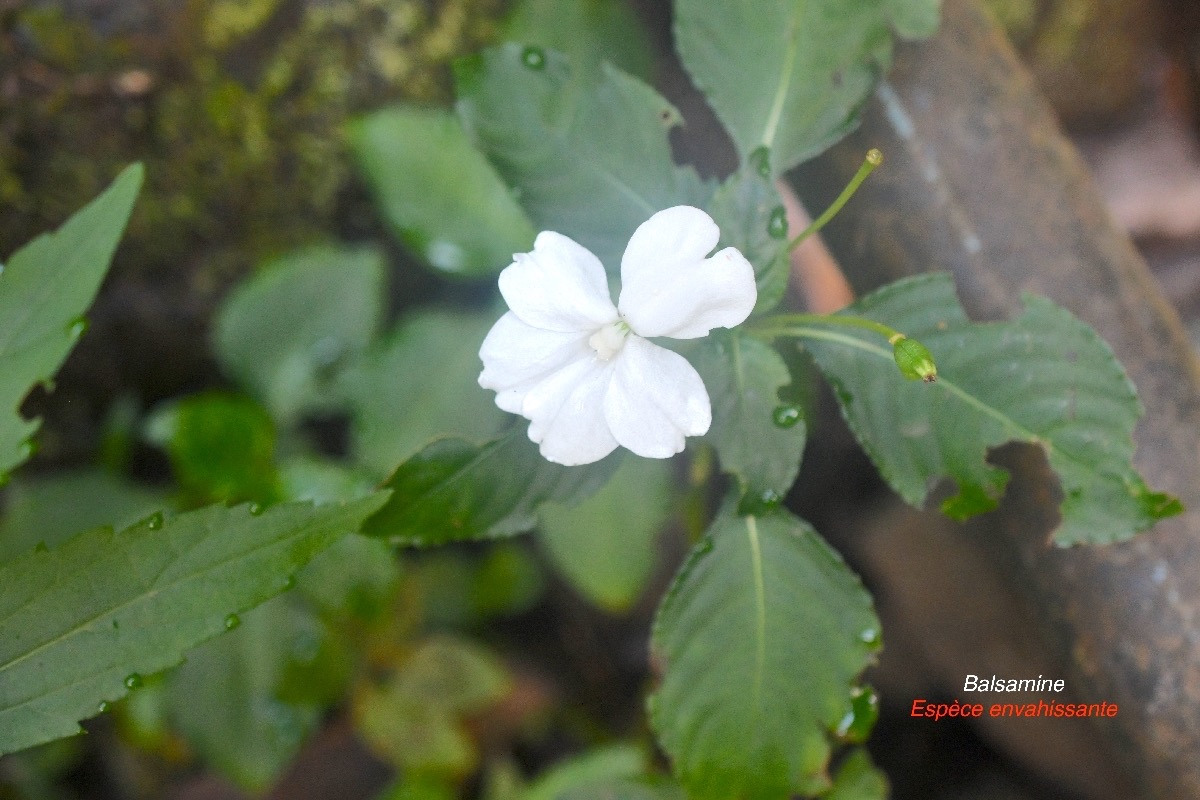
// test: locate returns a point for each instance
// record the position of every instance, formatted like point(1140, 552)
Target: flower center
point(609, 340)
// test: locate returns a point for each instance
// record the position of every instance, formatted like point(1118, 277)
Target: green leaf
point(439, 195)
point(790, 76)
point(50, 509)
point(743, 377)
point(282, 333)
point(760, 641)
point(78, 624)
point(222, 448)
point(592, 162)
point(44, 290)
point(1045, 378)
point(858, 779)
point(454, 490)
point(420, 383)
point(625, 790)
point(415, 721)
point(603, 764)
point(225, 696)
point(751, 216)
point(588, 32)
point(606, 545)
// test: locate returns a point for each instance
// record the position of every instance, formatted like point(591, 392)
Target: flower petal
point(566, 412)
point(655, 399)
point(516, 357)
point(559, 286)
point(670, 289)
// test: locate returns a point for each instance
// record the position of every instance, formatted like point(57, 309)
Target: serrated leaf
point(588, 32)
point(417, 384)
point(743, 377)
point(606, 545)
point(282, 333)
point(858, 779)
point(759, 640)
point(77, 621)
point(225, 696)
point(45, 288)
point(789, 76)
point(592, 162)
point(454, 490)
point(751, 216)
point(438, 194)
point(1045, 378)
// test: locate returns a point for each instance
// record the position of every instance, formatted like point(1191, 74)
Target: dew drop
point(870, 636)
point(760, 161)
point(533, 57)
point(861, 718)
point(27, 449)
point(232, 621)
point(77, 327)
point(777, 224)
point(786, 416)
point(154, 521)
point(756, 505)
point(133, 681)
point(103, 707)
point(256, 509)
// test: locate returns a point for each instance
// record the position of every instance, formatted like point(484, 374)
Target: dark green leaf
point(78, 624)
point(606, 545)
point(420, 383)
point(750, 213)
point(1044, 378)
point(790, 76)
point(743, 377)
point(759, 641)
point(588, 32)
point(858, 779)
point(283, 332)
point(592, 163)
point(44, 290)
point(438, 193)
point(225, 696)
point(454, 490)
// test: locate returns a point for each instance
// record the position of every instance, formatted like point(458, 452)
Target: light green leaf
point(420, 383)
point(626, 790)
point(601, 765)
point(225, 696)
point(592, 163)
point(1044, 378)
point(789, 76)
point(282, 333)
point(50, 509)
point(454, 490)
point(79, 623)
point(588, 32)
point(858, 779)
point(751, 216)
point(743, 377)
point(415, 721)
point(45, 288)
point(438, 193)
point(606, 545)
point(915, 19)
point(761, 639)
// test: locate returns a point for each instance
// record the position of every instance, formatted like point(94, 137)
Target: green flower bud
point(914, 359)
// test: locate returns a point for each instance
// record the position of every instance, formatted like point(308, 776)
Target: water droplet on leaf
point(232, 621)
point(133, 681)
point(256, 509)
point(786, 416)
point(27, 449)
point(777, 224)
point(154, 521)
point(756, 505)
point(760, 161)
point(103, 707)
point(870, 636)
point(533, 57)
point(77, 327)
point(860, 719)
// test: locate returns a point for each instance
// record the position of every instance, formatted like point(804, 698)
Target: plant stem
point(873, 159)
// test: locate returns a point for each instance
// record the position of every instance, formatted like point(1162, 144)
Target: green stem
point(783, 325)
point(874, 159)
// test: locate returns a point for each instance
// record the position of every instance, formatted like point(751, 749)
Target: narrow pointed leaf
point(790, 76)
point(760, 641)
point(44, 290)
point(78, 621)
point(591, 158)
point(1045, 378)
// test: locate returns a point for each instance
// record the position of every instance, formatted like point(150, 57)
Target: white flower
point(582, 370)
